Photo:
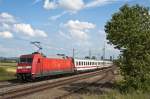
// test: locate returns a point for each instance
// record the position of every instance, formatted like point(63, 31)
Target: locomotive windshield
point(26, 60)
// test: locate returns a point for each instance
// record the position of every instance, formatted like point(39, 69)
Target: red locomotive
point(36, 65)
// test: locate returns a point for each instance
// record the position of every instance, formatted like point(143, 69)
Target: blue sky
point(60, 25)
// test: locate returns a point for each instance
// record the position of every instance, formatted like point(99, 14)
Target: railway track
point(104, 77)
point(19, 92)
point(8, 85)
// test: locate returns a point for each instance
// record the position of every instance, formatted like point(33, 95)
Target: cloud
point(57, 16)
point(95, 3)
point(27, 29)
point(77, 30)
point(9, 26)
point(64, 35)
point(6, 18)
point(6, 34)
point(71, 5)
point(49, 5)
point(79, 35)
point(77, 25)
point(75, 5)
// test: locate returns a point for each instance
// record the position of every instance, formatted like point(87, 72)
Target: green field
point(7, 71)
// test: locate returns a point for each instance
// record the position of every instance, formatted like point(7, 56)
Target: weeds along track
point(25, 90)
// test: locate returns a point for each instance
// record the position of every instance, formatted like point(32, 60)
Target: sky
point(60, 26)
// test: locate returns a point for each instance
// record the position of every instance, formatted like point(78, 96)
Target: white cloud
point(7, 18)
point(10, 25)
point(28, 30)
point(79, 35)
point(75, 5)
point(49, 5)
point(6, 34)
point(71, 5)
point(78, 30)
point(95, 3)
point(71, 24)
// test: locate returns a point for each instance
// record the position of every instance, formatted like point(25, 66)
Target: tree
point(129, 31)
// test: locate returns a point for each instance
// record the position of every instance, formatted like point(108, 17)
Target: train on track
point(36, 65)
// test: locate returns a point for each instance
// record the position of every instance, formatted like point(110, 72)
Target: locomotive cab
point(24, 67)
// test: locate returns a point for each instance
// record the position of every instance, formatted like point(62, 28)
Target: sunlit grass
point(114, 94)
point(7, 71)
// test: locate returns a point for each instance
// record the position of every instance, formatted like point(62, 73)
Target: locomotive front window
point(26, 60)
point(29, 60)
point(22, 60)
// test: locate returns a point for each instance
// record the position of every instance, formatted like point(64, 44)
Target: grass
point(114, 94)
point(7, 71)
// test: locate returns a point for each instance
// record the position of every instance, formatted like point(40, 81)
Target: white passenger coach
point(91, 64)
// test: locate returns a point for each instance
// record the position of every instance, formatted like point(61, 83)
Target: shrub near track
point(129, 31)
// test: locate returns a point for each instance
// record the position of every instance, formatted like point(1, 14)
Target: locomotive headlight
point(28, 67)
point(24, 67)
point(19, 67)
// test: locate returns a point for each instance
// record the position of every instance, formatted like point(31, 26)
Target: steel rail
point(82, 87)
point(19, 92)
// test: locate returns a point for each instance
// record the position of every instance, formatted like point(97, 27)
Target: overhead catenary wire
point(75, 52)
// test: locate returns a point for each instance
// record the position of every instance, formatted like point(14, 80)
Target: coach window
point(76, 63)
point(79, 63)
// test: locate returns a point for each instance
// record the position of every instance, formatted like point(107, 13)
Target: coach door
point(40, 66)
